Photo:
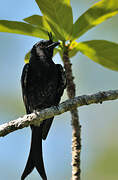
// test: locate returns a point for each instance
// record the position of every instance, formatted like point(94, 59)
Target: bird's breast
point(42, 86)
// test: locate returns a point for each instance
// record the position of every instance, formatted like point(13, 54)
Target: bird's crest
point(50, 36)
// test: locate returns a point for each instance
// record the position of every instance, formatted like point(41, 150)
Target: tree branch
point(37, 117)
point(75, 122)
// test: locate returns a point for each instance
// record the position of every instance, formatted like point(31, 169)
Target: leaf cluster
point(57, 17)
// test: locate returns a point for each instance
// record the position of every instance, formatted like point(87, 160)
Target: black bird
point(43, 83)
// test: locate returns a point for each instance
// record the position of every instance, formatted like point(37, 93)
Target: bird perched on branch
point(43, 83)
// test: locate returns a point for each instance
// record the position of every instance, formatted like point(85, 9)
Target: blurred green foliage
point(55, 19)
point(105, 166)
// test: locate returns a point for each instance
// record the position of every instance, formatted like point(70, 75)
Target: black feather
point(43, 83)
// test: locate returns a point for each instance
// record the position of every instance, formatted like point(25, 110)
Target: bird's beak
point(53, 45)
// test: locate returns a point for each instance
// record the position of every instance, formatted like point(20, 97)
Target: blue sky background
point(99, 122)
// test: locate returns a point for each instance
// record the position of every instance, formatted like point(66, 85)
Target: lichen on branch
point(39, 116)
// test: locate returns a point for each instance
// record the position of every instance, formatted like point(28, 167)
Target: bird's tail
point(35, 158)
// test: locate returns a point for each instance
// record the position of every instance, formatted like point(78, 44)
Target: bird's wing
point(61, 85)
point(61, 81)
point(24, 81)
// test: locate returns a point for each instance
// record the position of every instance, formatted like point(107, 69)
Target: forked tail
point(35, 158)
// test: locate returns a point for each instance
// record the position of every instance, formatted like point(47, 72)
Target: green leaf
point(73, 49)
point(38, 21)
point(102, 52)
point(22, 28)
point(95, 15)
point(27, 57)
point(58, 14)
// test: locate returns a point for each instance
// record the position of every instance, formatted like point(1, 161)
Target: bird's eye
point(41, 45)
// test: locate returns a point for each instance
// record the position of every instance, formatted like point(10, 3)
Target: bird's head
point(44, 48)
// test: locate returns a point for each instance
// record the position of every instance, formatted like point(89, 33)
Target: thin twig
point(36, 118)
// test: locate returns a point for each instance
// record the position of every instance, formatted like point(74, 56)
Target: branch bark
point(37, 117)
point(76, 128)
